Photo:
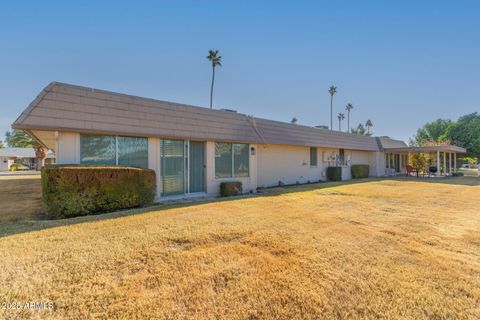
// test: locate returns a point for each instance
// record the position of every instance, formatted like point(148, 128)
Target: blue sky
point(401, 63)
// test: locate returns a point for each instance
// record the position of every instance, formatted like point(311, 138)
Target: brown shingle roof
point(66, 107)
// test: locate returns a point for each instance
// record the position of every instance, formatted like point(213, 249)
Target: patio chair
point(411, 171)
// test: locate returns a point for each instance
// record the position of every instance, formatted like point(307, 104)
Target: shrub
point(334, 173)
point(457, 174)
point(16, 166)
point(77, 190)
point(360, 171)
point(230, 188)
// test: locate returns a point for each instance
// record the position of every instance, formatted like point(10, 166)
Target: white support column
point(438, 163)
point(455, 162)
point(450, 163)
point(444, 164)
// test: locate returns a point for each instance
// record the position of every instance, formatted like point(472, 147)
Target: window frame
point(232, 162)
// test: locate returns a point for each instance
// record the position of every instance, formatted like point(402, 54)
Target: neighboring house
point(193, 149)
point(25, 156)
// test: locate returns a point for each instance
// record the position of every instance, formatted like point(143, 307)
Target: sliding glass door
point(182, 167)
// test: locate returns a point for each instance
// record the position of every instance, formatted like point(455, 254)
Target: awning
point(453, 149)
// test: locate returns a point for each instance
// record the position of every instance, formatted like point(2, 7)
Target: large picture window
point(113, 150)
point(97, 150)
point(240, 160)
point(133, 152)
point(231, 160)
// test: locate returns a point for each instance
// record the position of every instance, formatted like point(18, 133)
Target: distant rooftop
point(21, 153)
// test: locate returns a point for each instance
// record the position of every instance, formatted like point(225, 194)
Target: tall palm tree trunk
point(339, 125)
point(211, 88)
point(331, 112)
point(348, 129)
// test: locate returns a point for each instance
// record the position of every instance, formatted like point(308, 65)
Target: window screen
point(313, 156)
point(97, 150)
point(240, 160)
point(133, 152)
point(223, 160)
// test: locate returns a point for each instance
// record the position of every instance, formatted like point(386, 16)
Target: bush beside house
point(334, 173)
point(360, 171)
point(230, 188)
point(77, 190)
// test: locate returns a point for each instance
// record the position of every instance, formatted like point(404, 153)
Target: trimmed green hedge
point(230, 188)
point(334, 173)
point(457, 174)
point(77, 190)
point(360, 171)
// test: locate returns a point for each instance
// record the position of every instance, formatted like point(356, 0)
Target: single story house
point(193, 149)
point(24, 156)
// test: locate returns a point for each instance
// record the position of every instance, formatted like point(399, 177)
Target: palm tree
point(349, 107)
point(294, 120)
point(216, 61)
point(368, 124)
point(19, 139)
point(332, 90)
point(341, 116)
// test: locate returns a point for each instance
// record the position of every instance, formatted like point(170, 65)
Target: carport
point(445, 156)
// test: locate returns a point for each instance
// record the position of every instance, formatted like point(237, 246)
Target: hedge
point(230, 188)
point(77, 190)
point(334, 173)
point(457, 174)
point(360, 171)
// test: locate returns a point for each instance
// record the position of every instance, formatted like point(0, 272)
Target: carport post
point(438, 163)
point(444, 164)
point(455, 161)
point(450, 163)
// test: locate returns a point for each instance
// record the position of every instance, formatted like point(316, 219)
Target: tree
point(368, 124)
point(332, 90)
point(432, 131)
point(216, 60)
point(420, 162)
point(1, 144)
point(349, 108)
point(360, 130)
point(19, 139)
point(466, 133)
point(294, 120)
point(340, 116)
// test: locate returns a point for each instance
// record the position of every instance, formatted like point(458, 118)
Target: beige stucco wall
point(377, 164)
point(288, 164)
point(291, 165)
point(249, 184)
point(68, 148)
point(154, 160)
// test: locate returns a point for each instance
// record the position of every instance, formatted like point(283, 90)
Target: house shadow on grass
point(22, 226)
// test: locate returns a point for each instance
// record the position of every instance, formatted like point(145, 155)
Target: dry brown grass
point(397, 248)
point(20, 197)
